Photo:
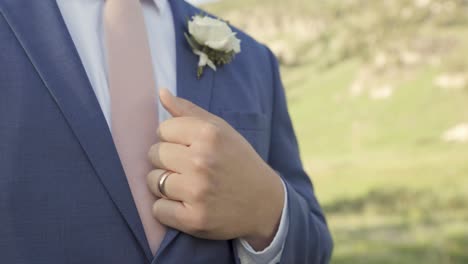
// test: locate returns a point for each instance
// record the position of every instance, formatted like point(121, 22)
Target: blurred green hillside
point(378, 92)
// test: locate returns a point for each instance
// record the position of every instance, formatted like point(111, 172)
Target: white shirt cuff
point(271, 254)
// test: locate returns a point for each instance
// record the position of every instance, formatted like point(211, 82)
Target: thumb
point(178, 107)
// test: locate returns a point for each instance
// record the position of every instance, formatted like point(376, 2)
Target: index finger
point(180, 130)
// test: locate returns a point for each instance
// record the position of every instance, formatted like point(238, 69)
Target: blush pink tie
point(134, 117)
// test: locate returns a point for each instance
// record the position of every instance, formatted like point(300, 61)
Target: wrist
point(269, 216)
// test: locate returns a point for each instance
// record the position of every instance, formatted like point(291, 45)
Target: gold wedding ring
point(162, 183)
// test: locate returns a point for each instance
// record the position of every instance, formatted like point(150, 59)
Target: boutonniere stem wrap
point(213, 41)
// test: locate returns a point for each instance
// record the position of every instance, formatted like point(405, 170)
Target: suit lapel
point(40, 29)
point(189, 87)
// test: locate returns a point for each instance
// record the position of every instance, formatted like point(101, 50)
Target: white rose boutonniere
point(213, 41)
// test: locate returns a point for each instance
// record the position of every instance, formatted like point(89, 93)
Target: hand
point(221, 188)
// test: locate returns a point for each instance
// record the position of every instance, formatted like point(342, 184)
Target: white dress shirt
point(84, 22)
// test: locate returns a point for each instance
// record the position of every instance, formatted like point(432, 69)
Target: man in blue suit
point(87, 177)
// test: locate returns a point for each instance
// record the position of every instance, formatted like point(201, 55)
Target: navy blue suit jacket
point(64, 197)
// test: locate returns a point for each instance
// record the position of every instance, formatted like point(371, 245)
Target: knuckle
point(200, 163)
point(153, 151)
point(211, 132)
point(163, 127)
point(150, 177)
point(204, 164)
point(158, 131)
point(150, 153)
point(201, 191)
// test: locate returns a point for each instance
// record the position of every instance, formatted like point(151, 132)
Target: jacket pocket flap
point(245, 120)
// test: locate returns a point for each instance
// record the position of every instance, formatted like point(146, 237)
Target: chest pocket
point(253, 126)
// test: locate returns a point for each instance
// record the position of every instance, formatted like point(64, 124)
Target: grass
point(392, 190)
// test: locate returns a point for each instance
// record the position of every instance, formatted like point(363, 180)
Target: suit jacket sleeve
point(308, 240)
